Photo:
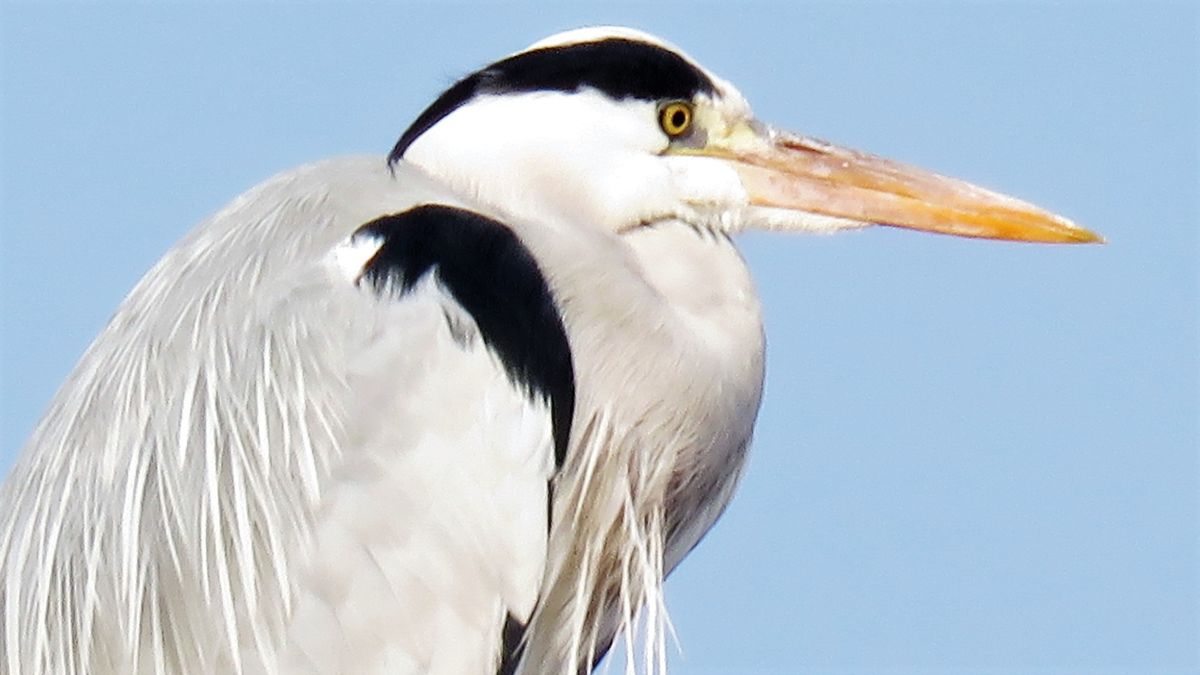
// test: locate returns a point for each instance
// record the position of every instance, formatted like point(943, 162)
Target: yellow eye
point(675, 118)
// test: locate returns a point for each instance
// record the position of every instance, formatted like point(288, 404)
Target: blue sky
point(973, 457)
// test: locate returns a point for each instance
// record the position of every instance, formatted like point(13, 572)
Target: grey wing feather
point(260, 466)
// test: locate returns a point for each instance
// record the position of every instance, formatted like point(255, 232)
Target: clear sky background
point(973, 457)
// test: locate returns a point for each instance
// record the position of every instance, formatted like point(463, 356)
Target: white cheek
point(706, 182)
point(576, 157)
point(466, 148)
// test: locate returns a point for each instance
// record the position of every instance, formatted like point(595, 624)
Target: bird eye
point(675, 118)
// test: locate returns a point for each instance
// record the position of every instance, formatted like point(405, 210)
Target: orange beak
point(804, 174)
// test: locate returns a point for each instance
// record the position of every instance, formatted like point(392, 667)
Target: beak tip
point(1082, 235)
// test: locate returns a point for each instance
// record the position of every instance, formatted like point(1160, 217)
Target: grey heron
point(456, 411)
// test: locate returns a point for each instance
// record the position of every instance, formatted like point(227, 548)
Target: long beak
point(805, 174)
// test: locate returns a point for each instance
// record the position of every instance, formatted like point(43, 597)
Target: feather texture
point(204, 478)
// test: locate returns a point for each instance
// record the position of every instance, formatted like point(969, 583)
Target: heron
point(456, 410)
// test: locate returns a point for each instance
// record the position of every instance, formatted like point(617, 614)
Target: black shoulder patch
point(497, 281)
point(618, 67)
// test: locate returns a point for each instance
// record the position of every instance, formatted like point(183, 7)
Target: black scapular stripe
point(512, 646)
point(618, 67)
point(495, 278)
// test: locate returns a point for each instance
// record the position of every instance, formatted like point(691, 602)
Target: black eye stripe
point(617, 67)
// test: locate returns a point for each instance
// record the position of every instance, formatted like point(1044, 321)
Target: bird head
point(618, 129)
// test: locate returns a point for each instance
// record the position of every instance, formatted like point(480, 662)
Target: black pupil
point(678, 119)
